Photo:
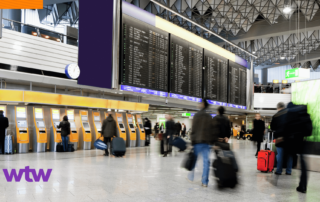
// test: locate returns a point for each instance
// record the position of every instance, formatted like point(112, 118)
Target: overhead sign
point(298, 73)
point(186, 114)
point(21, 4)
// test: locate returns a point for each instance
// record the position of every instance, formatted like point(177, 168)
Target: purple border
point(138, 13)
point(184, 97)
point(212, 102)
point(143, 90)
point(241, 61)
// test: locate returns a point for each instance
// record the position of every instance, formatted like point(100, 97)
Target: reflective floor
point(143, 175)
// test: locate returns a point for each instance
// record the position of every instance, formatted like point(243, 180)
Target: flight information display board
point(215, 77)
point(238, 84)
point(144, 55)
point(186, 67)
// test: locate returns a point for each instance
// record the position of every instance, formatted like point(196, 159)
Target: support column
point(116, 43)
point(250, 88)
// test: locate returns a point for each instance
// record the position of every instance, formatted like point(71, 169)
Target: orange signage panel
point(21, 4)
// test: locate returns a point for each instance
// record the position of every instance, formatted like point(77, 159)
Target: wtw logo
point(27, 172)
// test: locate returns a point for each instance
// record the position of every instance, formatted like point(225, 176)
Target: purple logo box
point(184, 97)
point(144, 91)
point(27, 171)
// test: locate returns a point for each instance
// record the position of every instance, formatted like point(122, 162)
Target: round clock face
point(72, 71)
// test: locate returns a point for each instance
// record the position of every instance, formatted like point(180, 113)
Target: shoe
point(204, 185)
point(288, 173)
point(301, 190)
point(277, 173)
point(165, 155)
point(105, 154)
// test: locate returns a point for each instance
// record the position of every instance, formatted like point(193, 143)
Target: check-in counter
point(22, 130)
point(85, 131)
point(74, 134)
point(131, 131)
point(141, 135)
point(4, 109)
point(40, 137)
point(97, 125)
point(55, 132)
point(121, 126)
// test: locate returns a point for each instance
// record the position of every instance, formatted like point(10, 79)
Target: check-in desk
point(97, 125)
point(40, 137)
point(55, 132)
point(141, 135)
point(131, 131)
point(85, 131)
point(4, 109)
point(74, 134)
point(22, 130)
point(121, 126)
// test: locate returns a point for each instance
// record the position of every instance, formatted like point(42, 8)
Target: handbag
point(190, 160)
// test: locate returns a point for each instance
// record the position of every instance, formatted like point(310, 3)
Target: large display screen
point(185, 67)
point(237, 84)
point(70, 114)
point(215, 77)
point(144, 55)
point(21, 112)
point(56, 114)
point(38, 113)
point(2, 108)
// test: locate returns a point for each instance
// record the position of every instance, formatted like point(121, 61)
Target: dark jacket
point(156, 128)
point(258, 130)
point(202, 129)
point(4, 124)
point(170, 129)
point(184, 130)
point(178, 128)
point(278, 124)
point(65, 128)
point(221, 125)
point(147, 127)
point(161, 128)
point(109, 127)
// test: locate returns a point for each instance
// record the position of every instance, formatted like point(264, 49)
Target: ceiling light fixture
point(202, 27)
point(287, 9)
point(282, 57)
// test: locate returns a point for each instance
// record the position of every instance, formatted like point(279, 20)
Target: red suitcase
point(266, 157)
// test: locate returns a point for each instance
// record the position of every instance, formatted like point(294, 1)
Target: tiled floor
point(143, 175)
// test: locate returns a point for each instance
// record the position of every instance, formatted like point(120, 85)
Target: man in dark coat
point(4, 124)
point(178, 128)
point(258, 131)
point(108, 130)
point(221, 125)
point(168, 136)
point(147, 128)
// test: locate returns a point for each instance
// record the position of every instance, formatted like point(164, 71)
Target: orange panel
point(127, 105)
point(113, 104)
point(21, 4)
point(83, 101)
point(142, 107)
point(46, 98)
point(11, 95)
point(87, 137)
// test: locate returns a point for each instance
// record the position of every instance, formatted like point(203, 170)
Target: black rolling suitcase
point(118, 147)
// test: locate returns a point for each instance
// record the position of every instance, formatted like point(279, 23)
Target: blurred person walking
point(65, 132)
point(299, 126)
point(178, 128)
point(184, 130)
point(258, 131)
point(277, 125)
point(108, 130)
point(162, 128)
point(222, 126)
point(156, 130)
point(202, 138)
point(4, 124)
point(168, 136)
point(147, 128)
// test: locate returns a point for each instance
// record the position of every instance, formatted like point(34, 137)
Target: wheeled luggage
point(225, 169)
point(266, 157)
point(118, 147)
point(161, 147)
point(59, 148)
point(70, 148)
point(190, 160)
point(8, 145)
point(179, 143)
point(99, 144)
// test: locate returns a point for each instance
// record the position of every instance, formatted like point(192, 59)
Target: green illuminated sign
point(186, 114)
point(292, 73)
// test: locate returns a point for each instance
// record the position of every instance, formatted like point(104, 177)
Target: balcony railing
point(38, 32)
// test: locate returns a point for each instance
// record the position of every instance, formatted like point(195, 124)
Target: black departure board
point(144, 55)
point(186, 67)
point(238, 84)
point(215, 77)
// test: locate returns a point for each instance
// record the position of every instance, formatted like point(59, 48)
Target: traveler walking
point(258, 131)
point(168, 136)
point(156, 130)
point(108, 131)
point(4, 124)
point(201, 138)
point(162, 128)
point(65, 132)
point(178, 128)
point(222, 126)
point(184, 130)
point(147, 128)
point(277, 125)
point(299, 125)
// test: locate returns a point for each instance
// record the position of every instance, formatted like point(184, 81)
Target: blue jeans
point(65, 141)
point(280, 151)
point(205, 150)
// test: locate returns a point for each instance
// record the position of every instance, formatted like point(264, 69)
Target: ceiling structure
point(233, 19)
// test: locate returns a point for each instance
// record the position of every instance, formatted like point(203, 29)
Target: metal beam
point(49, 2)
point(203, 28)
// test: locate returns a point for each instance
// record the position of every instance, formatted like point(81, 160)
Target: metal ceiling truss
point(313, 65)
point(279, 48)
point(63, 13)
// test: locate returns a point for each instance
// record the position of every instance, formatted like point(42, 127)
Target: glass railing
point(278, 88)
point(38, 32)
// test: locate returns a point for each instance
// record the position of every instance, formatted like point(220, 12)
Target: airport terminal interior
point(160, 100)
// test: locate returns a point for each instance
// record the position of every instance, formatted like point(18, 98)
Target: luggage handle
point(268, 140)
